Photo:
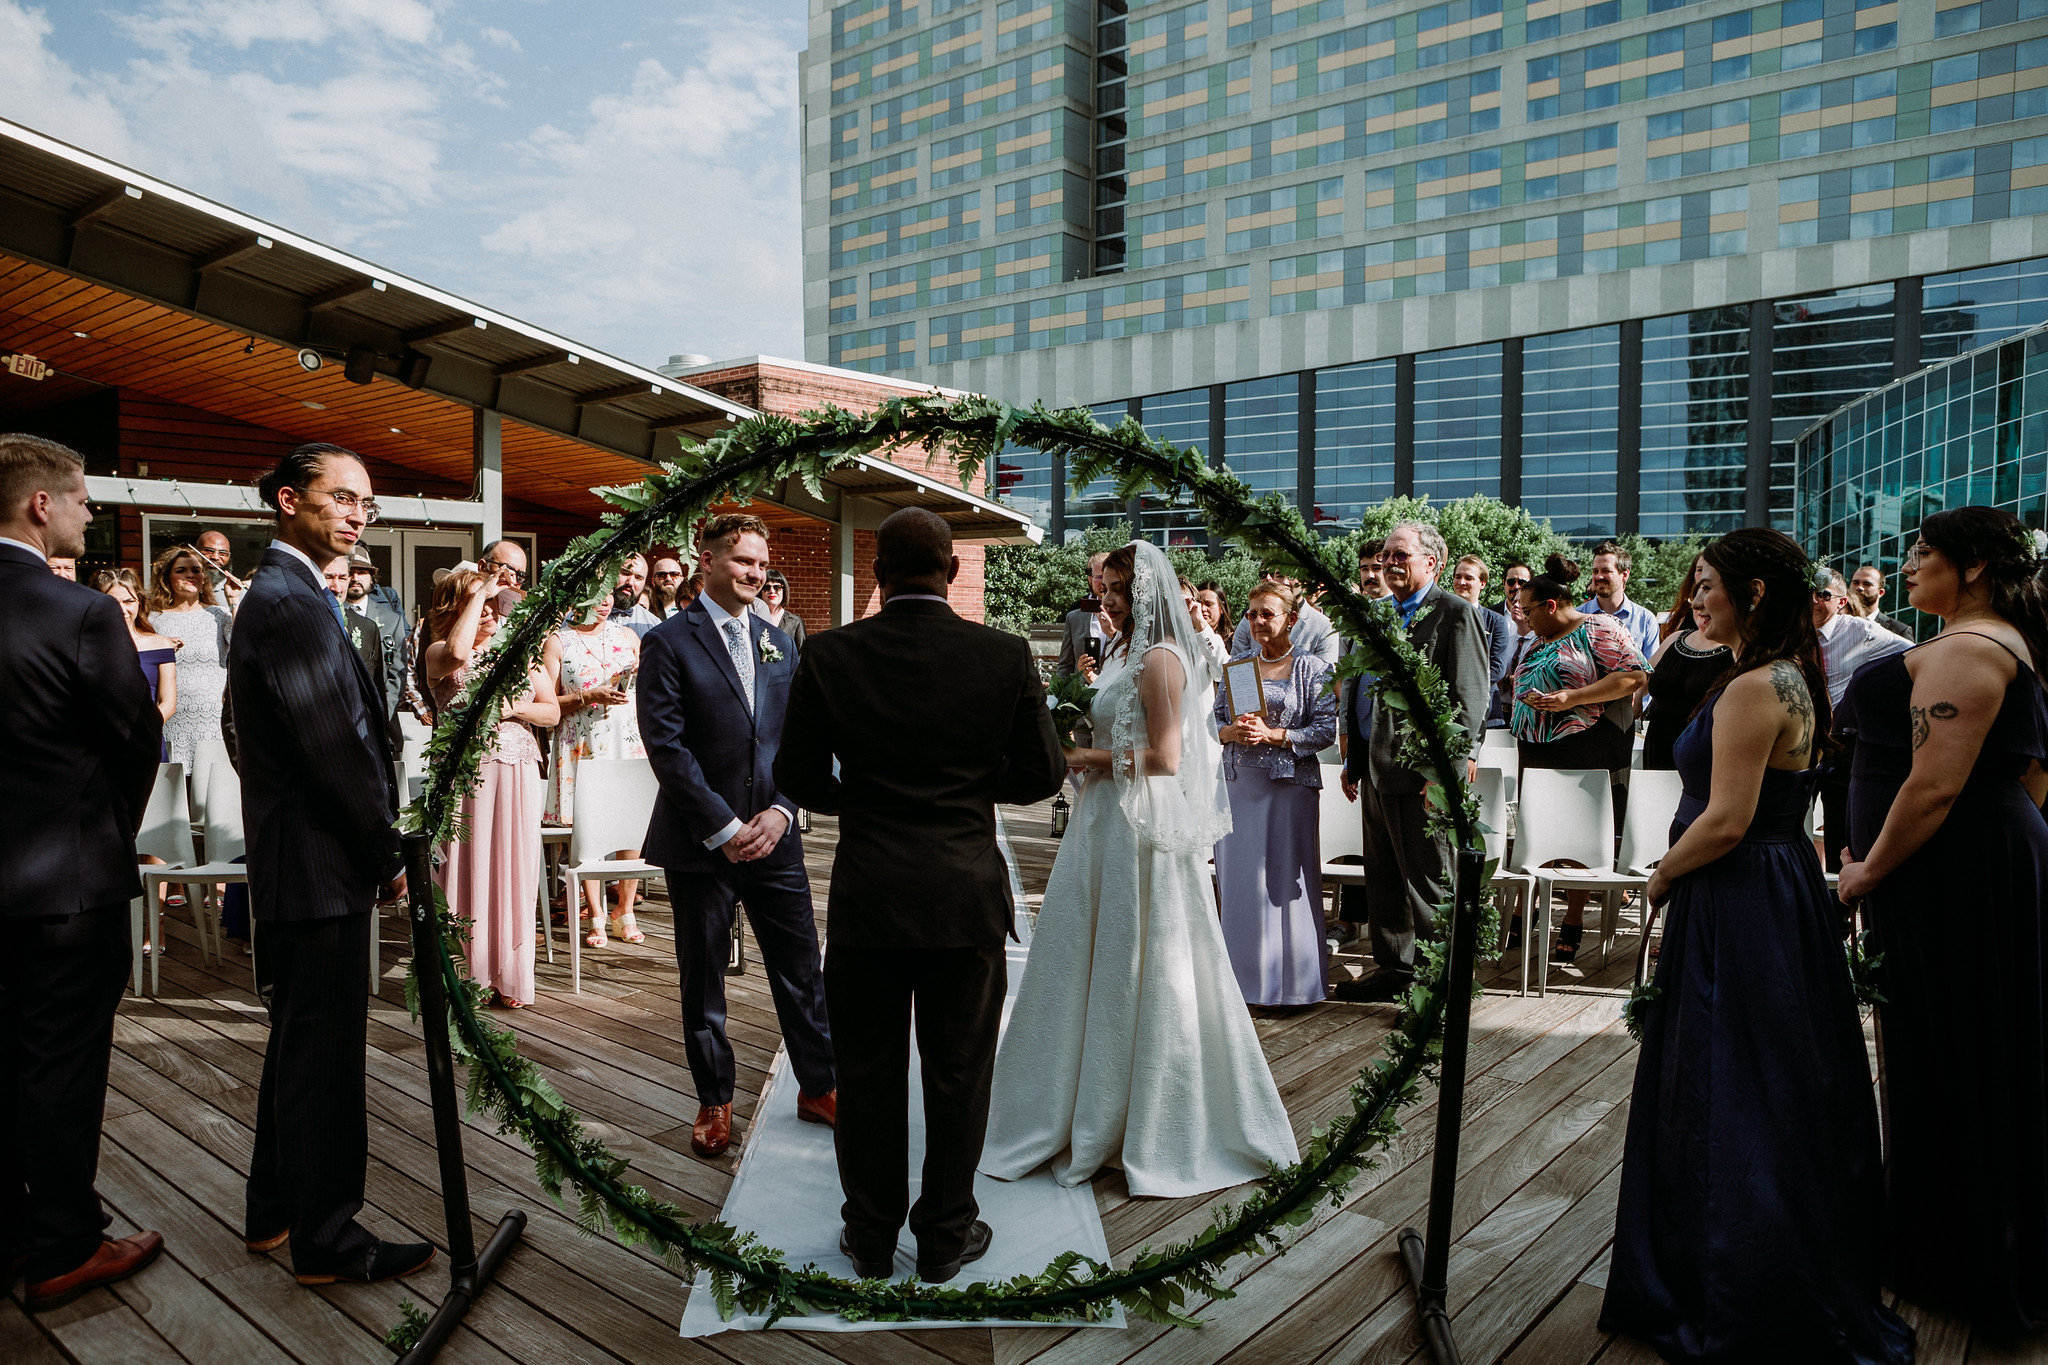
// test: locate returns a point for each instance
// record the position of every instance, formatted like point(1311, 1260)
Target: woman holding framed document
point(1277, 714)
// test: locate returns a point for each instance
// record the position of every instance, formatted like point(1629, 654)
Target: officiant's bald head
point(914, 554)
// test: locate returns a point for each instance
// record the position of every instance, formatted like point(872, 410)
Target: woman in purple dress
point(1750, 1185)
point(1269, 868)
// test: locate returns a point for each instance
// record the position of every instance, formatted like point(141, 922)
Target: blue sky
point(622, 172)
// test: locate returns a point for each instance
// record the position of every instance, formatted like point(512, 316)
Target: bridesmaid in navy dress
point(1949, 854)
point(158, 654)
point(1750, 1188)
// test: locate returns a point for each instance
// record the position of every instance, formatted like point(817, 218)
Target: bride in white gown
point(1129, 1044)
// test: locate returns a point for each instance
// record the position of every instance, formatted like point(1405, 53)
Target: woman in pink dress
point(492, 878)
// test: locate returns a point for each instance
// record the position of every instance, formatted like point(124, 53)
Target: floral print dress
point(591, 660)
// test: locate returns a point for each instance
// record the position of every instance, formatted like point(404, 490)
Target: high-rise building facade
point(1605, 260)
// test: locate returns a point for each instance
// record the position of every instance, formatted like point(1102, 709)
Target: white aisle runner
point(787, 1193)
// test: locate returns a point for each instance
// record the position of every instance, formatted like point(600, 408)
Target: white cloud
point(39, 89)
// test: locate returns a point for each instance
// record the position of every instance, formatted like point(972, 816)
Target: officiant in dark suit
point(1445, 629)
point(933, 720)
point(82, 735)
point(319, 804)
point(713, 684)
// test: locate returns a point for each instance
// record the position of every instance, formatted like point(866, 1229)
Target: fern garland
point(764, 453)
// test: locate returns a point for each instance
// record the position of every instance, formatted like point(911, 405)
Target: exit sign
point(27, 367)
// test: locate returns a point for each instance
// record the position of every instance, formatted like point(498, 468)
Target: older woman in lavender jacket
point(1269, 868)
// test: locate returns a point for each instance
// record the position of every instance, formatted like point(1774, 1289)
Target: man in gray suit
point(1445, 629)
point(1086, 635)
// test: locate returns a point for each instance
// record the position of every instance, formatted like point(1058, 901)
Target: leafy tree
point(1479, 525)
point(1033, 585)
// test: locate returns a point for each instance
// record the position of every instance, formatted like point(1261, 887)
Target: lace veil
point(1159, 719)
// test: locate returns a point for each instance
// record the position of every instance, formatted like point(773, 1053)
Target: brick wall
point(805, 554)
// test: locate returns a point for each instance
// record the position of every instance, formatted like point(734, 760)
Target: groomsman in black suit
point(82, 735)
point(933, 720)
point(319, 805)
point(714, 681)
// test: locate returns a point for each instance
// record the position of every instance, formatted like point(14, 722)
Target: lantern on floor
point(1060, 811)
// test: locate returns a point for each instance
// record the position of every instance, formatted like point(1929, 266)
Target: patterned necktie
point(742, 661)
point(339, 619)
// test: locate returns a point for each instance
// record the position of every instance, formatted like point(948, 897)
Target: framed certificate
point(1242, 690)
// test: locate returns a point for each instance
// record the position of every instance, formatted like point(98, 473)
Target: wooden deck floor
point(1546, 1106)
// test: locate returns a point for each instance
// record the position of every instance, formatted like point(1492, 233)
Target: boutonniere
point(769, 653)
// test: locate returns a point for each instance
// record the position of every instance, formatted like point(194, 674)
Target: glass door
point(407, 559)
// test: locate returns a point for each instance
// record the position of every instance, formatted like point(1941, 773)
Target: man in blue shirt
point(1610, 597)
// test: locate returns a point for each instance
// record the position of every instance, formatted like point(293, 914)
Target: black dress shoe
point(978, 1238)
point(1379, 988)
point(866, 1270)
point(378, 1261)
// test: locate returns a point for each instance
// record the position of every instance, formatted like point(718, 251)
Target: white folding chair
point(1491, 790)
point(1338, 833)
point(614, 802)
point(224, 844)
point(1565, 814)
point(166, 833)
point(1499, 749)
point(207, 754)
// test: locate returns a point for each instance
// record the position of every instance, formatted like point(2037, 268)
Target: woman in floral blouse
point(1580, 662)
point(591, 664)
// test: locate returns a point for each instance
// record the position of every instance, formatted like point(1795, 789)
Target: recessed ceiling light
point(81, 336)
point(309, 403)
point(396, 432)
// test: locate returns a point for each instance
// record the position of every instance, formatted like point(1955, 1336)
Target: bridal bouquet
point(1069, 697)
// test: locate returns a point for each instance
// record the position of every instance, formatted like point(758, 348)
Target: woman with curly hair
point(1949, 854)
point(1750, 1180)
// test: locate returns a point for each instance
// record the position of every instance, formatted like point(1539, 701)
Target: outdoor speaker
point(361, 364)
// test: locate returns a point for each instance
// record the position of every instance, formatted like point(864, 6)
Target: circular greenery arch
point(1163, 1285)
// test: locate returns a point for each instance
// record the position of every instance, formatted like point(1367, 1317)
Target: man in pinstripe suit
point(319, 805)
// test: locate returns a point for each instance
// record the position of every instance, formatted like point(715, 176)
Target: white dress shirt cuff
point(719, 839)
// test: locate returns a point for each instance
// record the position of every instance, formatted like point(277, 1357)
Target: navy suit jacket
point(1500, 643)
point(83, 738)
point(319, 801)
point(715, 759)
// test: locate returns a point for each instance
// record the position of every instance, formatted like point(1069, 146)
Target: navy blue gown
point(1750, 1185)
point(1965, 1021)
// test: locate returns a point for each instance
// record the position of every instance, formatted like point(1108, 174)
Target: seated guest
point(1682, 671)
point(489, 878)
point(1752, 1192)
point(590, 666)
point(772, 606)
point(1269, 868)
point(1580, 664)
point(82, 745)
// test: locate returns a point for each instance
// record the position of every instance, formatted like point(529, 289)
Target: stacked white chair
point(1498, 749)
point(614, 801)
point(1491, 788)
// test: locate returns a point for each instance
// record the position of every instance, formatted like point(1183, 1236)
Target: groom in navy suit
point(714, 683)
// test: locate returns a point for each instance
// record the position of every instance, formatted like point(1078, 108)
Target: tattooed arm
point(1957, 690)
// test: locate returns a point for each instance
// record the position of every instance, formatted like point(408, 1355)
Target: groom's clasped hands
point(758, 837)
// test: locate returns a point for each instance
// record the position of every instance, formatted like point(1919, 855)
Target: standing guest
point(1949, 855)
point(363, 601)
point(320, 806)
point(590, 667)
point(1608, 579)
point(158, 654)
point(772, 606)
point(64, 566)
point(1444, 629)
point(1503, 709)
point(1468, 580)
point(1313, 634)
point(910, 725)
point(1582, 663)
point(1215, 609)
point(504, 561)
point(667, 580)
point(489, 878)
point(367, 640)
point(1847, 643)
point(1866, 594)
point(1679, 620)
point(1085, 634)
point(714, 684)
point(214, 548)
point(1682, 672)
point(82, 745)
point(692, 588)
point(1269, 868)
point(1513, 579)
point(1355, 705)
point(1213, 645)
point(629, 598)
point(182, 605)
point(1751, 1184)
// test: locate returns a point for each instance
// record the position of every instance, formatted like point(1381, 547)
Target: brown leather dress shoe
point(824, 1109)
point(264, 1244)
point(711, 1134)
point(115, 1260)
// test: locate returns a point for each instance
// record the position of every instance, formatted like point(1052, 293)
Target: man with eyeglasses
point(668, 581)
point(319, 802)
point(504, 562)
point(1409, 867)
point(1512, 582)
point(213, 547)
point(1312, 634)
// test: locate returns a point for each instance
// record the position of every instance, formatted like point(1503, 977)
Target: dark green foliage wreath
point(1162, 1285)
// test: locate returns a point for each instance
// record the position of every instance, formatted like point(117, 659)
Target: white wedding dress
point(1129, 1044)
